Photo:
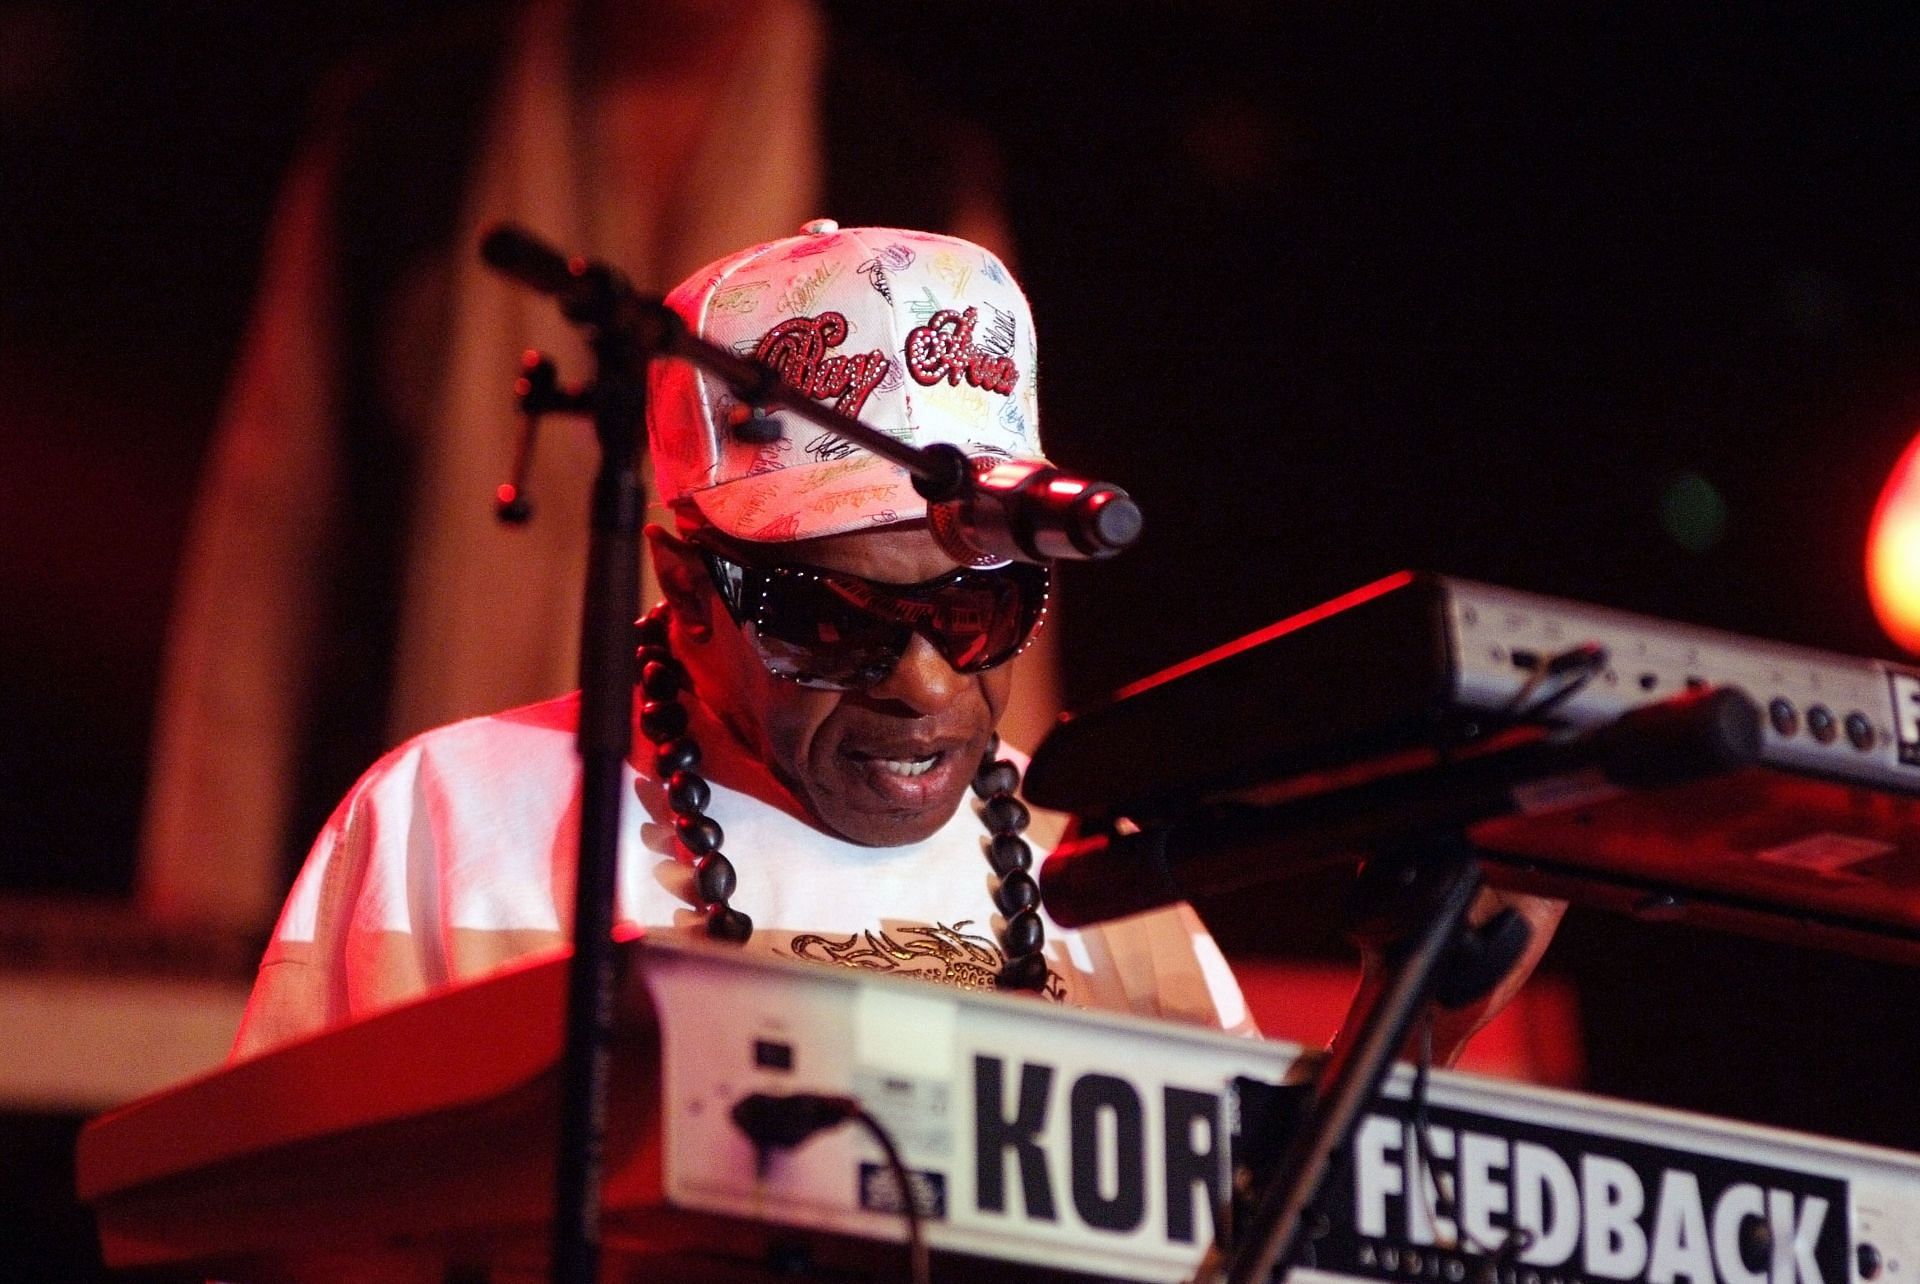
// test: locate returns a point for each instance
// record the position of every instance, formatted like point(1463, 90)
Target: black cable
point(1570, 688)
point(1517, 1240)
point(783, 1122)
point(909, 1196)
point(1574, 667)
point(1422, 1137)
point(1571, 670)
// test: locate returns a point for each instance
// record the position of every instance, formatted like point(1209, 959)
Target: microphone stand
point(623, 339)
point(1356, 1066)
point(626, 331)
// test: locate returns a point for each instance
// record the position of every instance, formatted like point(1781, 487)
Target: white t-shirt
point(455, 854)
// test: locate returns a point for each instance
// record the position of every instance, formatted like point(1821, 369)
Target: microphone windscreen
point(523, 256)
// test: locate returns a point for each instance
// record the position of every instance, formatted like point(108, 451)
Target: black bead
point(662, 719)
point(660, 679)
point(728, 924)
point(687, 793)
point(1023, 935)
point(677, 754)
point(1017, 891)
point(1000, 777)
point(651, 628)
point(700, 835)
point(714, 878)
point(1007, 853)
point(1029, 972)
point(1004, 814)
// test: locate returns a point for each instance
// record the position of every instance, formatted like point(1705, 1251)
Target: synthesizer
point(1040, 1142)
point(1817, 844)
point(1416, 656)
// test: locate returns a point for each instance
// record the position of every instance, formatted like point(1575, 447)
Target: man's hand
point(1453, 1027)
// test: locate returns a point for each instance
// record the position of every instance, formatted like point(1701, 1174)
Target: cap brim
point(808, 501)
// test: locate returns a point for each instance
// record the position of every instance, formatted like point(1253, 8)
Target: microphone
point(511, 249)
point(589, 292)
point(1022, 510)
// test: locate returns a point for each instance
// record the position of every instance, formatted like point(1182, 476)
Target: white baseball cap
point(925, 337)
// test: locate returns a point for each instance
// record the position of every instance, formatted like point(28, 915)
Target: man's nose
point(923, 680)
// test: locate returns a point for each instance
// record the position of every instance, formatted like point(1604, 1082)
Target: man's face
point(882, 766)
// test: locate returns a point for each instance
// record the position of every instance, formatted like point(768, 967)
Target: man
point(821, 694)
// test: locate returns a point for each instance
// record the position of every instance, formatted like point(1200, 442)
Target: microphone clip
point(537, 392)
point(991, 510)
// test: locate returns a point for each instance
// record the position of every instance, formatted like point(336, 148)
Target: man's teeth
point(909, 766)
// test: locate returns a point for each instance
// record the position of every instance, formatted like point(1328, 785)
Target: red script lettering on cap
point(797, 350)
point(944, 349)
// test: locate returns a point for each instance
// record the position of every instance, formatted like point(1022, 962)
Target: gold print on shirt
point(947, 955)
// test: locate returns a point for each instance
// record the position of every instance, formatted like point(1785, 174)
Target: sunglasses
point(840, 632)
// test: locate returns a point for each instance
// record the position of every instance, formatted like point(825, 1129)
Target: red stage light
point(1893, 552)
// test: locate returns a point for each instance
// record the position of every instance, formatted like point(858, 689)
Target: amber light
point(1893, 552)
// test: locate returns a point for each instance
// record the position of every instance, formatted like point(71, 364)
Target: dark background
point(1332, 289)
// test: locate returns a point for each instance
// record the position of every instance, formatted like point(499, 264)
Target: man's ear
point(676, 564)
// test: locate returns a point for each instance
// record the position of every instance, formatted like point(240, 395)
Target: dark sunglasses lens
point(976, 619)
point(830, 668)
point(842, 632)
point(1027, 591)
point(817, 638)
point(984, 620)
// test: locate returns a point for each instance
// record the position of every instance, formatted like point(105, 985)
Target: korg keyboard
point(1044, 1142)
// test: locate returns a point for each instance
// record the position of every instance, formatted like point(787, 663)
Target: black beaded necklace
point(676, 760)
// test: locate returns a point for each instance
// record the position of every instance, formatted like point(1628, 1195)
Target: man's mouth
point(908, 775)
point(908, 766)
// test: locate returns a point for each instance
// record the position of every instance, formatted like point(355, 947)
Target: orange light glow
point(1893, 552)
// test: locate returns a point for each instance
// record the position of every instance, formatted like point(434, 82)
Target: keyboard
point(1818, 844)
point(1414, 655)
point(1043, 1142)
